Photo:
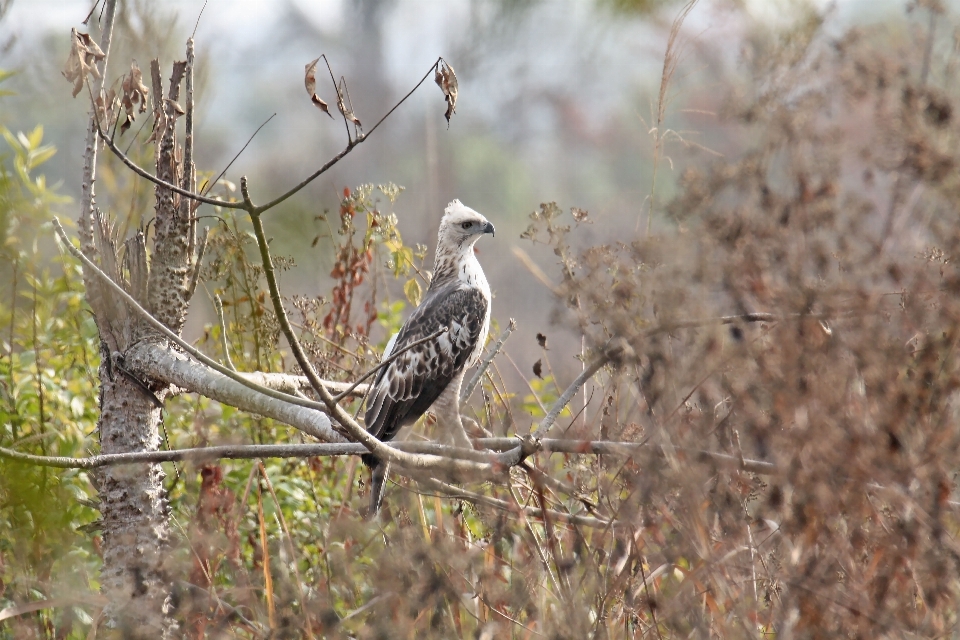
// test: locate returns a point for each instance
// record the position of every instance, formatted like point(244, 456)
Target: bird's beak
point(489, 229)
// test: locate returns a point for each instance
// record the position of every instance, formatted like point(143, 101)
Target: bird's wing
point(405, 388)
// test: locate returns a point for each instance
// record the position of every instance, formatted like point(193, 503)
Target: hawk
point(430, 374)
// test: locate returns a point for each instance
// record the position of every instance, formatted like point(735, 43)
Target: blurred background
point(558, 101)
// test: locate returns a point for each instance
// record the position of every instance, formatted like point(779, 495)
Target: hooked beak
point(489, 229)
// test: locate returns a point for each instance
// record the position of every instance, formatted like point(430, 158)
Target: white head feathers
point(460, 228)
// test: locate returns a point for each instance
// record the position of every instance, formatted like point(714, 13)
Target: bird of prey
point(429, 375)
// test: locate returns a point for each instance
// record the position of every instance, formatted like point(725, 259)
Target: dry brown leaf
point(159, 125)
point(446, 79)
point(176, 106)
point(134, 93)
point(105, 107)
point(83, 58)
point(542, 340)
point(580, 215)
point(310, 82)
point(346, 107)
point(538, 369)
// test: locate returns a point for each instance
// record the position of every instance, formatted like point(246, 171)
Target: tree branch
point(388, 360)
point(170, 335)
point(248, 205)
point(567, 395)
point(165, 364)
point(172, 372)
point(468, 390)
point(353, 429)
point(87, 190)
point(140, 171)
point(450, 491)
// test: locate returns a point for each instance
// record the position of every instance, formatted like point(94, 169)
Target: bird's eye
point(466, 225)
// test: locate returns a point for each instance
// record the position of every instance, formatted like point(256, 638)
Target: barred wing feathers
point(405, 389)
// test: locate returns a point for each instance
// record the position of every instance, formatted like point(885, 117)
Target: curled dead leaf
point(176, 106)
point(538, 369)
point(82, 61)
point(310, 82)
point(542, 340)
point(344, 103)
point(159, 125)
point(134, 93)
point(446, 79)
point(105, 103)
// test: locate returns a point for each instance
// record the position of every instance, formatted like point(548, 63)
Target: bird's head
point(461, 226)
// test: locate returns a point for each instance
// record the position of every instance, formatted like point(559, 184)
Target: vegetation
point(763, 441)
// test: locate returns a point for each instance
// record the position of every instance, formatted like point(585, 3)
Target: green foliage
point(48, 403)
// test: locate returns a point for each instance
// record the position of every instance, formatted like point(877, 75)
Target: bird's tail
point(378, 476)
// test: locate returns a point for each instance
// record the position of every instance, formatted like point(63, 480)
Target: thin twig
point(468, 390)
point(199, 15)
point(88, 182)
point(224, 343)
point(213, 182)
point(170, 335)
point(361, 138)
point(336, 87)
point(451, 491)
point(140, 171)
point(567, 396)
point(198, 263)
point(402, 100)
point(388, 360)
point(357, 433)
point(324, 449)
point(248, 205)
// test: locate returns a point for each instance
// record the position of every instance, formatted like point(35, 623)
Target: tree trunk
point(134, 511)
point(133, 505)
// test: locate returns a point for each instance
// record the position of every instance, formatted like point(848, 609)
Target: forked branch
point(248, 205)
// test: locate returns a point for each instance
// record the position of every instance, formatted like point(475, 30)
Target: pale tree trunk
point(133, 504)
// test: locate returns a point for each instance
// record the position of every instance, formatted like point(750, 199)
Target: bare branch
point(170, 335)
point(402, 100)
point(140, 171)
point(451, 491)
point(353, 429)
point(567, 395)
point(213, 182)
point(248, 451)
point(224, 343)
point(183, 372)
point(293, 384)
point(468, 390)
point(388, 360)
point(87, 185)
point(249, 206)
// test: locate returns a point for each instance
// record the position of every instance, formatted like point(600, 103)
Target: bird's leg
point(447, 410)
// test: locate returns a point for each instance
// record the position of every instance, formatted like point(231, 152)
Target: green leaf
point(413, 291)
point(38, 156)
point(11, 139)
point(35, 136)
